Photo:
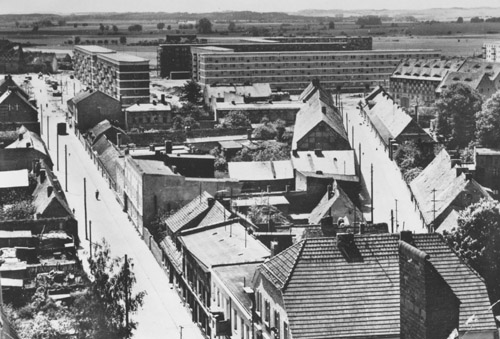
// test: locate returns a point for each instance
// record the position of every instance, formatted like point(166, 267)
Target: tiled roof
point(467, 285)
point(437, 186)
point(189, 213)
point(473, 65)
point(174, 256)
point(386, 116)
point(81, 96)
point(473, 79)
point(43, 202)
point(340, 204)
point(311, 114)
point(427, 69)
point(261, 170)
point(19, 93)
point(103, 127)
point(30, 138)
point(315, 88)
point(327, 296)
point(217, 214)
point(224, 245)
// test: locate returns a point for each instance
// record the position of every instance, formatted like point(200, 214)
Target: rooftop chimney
point(163, 99)
point(168, 146)
point(50, 189)
point(249, 134)
point(118, 139)
point(318, 153)
point(406, 236)
point(28, 144)
point(20, 137)
point(295, 153)
point(348, 248)
point(151, 147)
point(210, 201)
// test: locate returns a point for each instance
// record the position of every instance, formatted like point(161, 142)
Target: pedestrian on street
point(96, 194)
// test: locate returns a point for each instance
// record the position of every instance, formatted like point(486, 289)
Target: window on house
point(267, 312)
point(277, 323)
point(257, 302)
point(235, 320)
point(242, 326)
point(285, 330)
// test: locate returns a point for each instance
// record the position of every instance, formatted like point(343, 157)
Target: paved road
point(389, 186)
point(163, 314)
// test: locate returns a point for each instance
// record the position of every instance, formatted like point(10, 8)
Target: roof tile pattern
point(188, 213)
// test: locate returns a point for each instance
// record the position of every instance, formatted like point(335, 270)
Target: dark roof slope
point(189, 213)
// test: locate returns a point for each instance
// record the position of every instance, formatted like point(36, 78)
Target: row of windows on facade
point(296, 72)
point(306, 57)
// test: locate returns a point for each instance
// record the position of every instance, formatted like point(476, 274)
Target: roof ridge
point(287, 280)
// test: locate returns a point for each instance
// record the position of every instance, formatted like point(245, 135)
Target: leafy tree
point(180, 122)
point(476, 239)
point(101, 312)
point(135, 28)
point(488, 123)
point(369, 20)
point(220, 163)
point(160, 26)
point(236, 119)
point(460, 20)
point(410, 157)
point(231, 27)
point(270, 130)
point(267, 151)
point(123, 40)
point(204, 26)
point(191, 92)
point(191, 109)
point(456, 109)
point(265, 214)
point(331, 25)
point(18, 211)
point(476, 20)
point(115, 29)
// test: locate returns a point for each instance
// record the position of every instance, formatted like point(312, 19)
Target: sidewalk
point(163, 313)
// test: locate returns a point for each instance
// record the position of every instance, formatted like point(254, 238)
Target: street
point(390, 190)
point(163, 314)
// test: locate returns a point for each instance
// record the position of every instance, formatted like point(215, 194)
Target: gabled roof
point(104, 126)
point(437, 186)
point(82, 96)
point(472, 79)
point(315, 88)
point(475, 65)
point(223, 245)
point(311, 114)
point(327, 296)
point(261, 170)
point(44, 202)
point(195, 209)
point(7, 82)
point(386, 116)
point(467, 285)
point(18, 93)
point(173, 254)
point(338, 202)
point(433, 69)
point(26, 137)
point(108, 154)
point(216, 214)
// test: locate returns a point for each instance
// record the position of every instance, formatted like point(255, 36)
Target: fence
point(153, 246)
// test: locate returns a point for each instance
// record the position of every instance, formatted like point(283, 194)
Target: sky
point(197, 6)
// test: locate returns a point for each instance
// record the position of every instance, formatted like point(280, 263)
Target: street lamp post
point(85, 205)
point(66, 167)
point(126, 291)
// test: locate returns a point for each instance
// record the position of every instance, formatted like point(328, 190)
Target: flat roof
point(484, 151)
point(259, 105)
point(17, 178)
point(363, 52)
point(153, 167)
point(148, 107)
point(124, 58)
point(261, 201)
point(93, 49)
point(15, 234)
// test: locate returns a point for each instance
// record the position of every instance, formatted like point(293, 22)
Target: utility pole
point(126, 291)
point(41, 120)
point(48, 129)
point(371, 171)
point(66, 167)
point(180, 329)
point(397, 225)
point(392, 221)
point(85, 205)
point(90, 237)
point(57, 149)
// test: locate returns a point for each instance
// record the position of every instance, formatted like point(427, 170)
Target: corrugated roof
point(224, 245)
point(189, 213)
point(437, 186)
point(261, 170)
point(217, 214)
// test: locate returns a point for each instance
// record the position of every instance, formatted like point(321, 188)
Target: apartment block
point(291, 71)
point(491, 51)
point(122, 76)
point(175, 60)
